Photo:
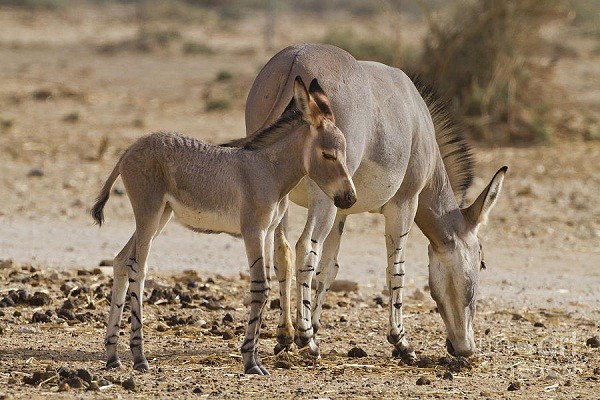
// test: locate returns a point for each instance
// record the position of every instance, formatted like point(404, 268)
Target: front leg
point(328, 268)
point(398, 221)
point(321, 214)
point(254, 239)
point(284, 261)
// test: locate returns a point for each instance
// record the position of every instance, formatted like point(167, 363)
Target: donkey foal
point(239, 191)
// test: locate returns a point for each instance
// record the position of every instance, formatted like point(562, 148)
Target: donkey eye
point(329, 156)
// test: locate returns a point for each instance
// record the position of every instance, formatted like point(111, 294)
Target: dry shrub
point(486, 57)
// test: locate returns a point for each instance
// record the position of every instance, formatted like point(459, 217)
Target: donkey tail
point(98, 208)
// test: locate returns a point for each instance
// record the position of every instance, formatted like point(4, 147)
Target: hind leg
point(119, 291)
point(284, 261)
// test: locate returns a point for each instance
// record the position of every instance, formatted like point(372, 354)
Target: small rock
point(227, 335)
point(378, 301)
point(275, 304)
point(487, 331)
point(85, 375)
point(76, 382)
point(40, 317)
point(594, 341)
point(517, 317)
point(38, 376)
point(35, 173)
point(63, 387)
point(197, 389)
point(514, 386)
point(448, 375)
point(343, 318)
point(423, 380)
point(161, 327)
point(128, 384)
point(227, 319)
point(68, 315)
point(539, 324)
point(285, 364)
point(65, 372)
point(40, 299)
point(552, 375)
point(68, 305)
point(357, 352)
point(93, 386)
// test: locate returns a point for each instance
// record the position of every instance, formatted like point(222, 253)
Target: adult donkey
point(407, 163)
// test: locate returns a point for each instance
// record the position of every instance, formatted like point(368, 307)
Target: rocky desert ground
point(79, 84)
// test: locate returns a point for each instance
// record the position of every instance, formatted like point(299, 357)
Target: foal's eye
point(329, 156)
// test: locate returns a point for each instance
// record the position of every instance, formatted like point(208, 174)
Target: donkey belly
point(206, 221)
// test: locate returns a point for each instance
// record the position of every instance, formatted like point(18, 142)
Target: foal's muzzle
point(345, 200)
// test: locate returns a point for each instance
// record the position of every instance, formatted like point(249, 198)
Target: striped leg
point(117, 302)
point(146, 229)
point(259, 290)
point(284, 260)
point(398, 221)
point(308, 250)
point(328, 268)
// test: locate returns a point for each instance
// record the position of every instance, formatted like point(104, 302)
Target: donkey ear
point(477, 213)
point(302, 100)
point(319, 96)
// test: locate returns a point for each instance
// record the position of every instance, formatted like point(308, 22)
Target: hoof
point(113, 364)
point(311, 349)
point(256, 370)
point(407, 355)
point(280, 347)
point(141, 366)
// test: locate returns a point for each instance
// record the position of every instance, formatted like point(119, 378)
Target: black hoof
point(114, 363)
point(141, 366)
point(280, 347)
point(408, 355)
point(256, 370)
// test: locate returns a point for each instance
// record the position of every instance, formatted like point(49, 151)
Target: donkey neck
point(285, 158)
point(438, 214)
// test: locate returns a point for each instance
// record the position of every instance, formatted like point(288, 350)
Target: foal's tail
point(97, 210)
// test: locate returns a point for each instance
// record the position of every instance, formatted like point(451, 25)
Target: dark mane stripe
point(449, 133)
point(290, 118)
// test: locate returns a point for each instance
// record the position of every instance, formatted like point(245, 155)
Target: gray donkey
point(240, 191)
point(408, 162)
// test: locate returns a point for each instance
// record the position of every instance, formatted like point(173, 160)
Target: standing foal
point(213, 189)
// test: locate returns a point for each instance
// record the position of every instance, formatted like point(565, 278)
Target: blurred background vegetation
point(492, 60)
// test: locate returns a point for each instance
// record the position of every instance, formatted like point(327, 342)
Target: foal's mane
point(290, 118)
point(449, 133)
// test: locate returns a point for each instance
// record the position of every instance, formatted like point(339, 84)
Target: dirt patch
point(52, 323)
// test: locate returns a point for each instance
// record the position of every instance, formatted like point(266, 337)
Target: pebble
point(129, 384)
point(197, 389)
point(64, 313)
point(275, 304)
point(552, 375)
point(423, 380)
point(539, 324)
point(85, 375)
point(228, 318)
point(35, 173)
point(448, 375)
point(161, 327)
point(357, 352)
point(514, 386)
point(227, 335)
point(40, 299)
point(594, 341)
point(40, 317)
point(76, 382)
point(285, 364)
point(38, 376)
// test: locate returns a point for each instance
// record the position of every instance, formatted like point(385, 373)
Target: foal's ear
point(477, 213)
point(306, 104)
point(319, 96)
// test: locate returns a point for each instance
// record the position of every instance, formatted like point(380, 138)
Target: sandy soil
point(76, 92)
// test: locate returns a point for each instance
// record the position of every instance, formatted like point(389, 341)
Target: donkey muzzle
point(345, 200)
point(466, 352)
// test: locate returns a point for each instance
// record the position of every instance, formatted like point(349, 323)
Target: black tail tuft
point(98, 209)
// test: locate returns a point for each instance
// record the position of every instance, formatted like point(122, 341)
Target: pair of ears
point(478, 212)
point(313, 103)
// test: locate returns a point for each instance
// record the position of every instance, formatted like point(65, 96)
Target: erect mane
point(290, 118)
point(454, 148)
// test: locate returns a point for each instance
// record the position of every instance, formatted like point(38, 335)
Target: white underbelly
point(205, 220)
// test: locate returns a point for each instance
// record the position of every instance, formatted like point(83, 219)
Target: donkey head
point(454, 271)
point(325, 152)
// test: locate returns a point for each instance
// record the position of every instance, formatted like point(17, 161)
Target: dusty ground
point(76, 90)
